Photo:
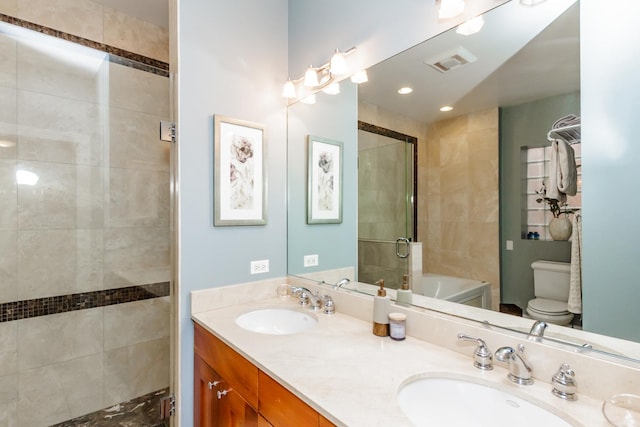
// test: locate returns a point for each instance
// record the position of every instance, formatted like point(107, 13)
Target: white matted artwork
point(240, 184)
point(324, 195)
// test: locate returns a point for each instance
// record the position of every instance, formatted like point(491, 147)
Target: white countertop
point(352, 377)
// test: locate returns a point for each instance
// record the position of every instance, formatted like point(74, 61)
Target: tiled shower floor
point(143, 411)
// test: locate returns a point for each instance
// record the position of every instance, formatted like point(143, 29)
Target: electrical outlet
point(258, 267)
point(311, 260)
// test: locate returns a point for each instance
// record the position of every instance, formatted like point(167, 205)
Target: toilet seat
point(550, 311)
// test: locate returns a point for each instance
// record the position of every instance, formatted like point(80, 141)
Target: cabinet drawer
point(241, 374)
point(281, 407)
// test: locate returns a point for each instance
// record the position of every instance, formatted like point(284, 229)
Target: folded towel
point(568, 120)
point(574, 305)
point(563, 174)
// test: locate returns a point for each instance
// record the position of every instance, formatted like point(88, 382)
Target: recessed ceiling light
point(446, 108)
point(405, 90)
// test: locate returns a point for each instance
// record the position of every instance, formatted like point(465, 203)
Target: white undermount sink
point(276, 321)
point(438, 401)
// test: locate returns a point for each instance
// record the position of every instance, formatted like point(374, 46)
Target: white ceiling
point(524, 53)
point(154, 11)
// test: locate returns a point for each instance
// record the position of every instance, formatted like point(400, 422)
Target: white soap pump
point(404, 295)
point(381, 307)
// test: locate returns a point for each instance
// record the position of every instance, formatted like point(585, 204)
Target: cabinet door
point(235, 411)
point(206, 405)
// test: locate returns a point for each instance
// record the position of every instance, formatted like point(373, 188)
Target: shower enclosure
point(386, 205)
point(84, 228)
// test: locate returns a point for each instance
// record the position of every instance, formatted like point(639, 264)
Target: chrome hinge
point(167, 406)
point(167, 131)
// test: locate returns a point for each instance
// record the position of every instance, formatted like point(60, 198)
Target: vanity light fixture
point(360, 77)
point(318, 78)
point(7, 144)
point(471, 26)
point(446, 108)
point(450, 8)
point(405, 90)
point(25, 177)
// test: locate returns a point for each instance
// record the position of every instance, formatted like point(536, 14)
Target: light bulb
point(471, 26)
point(332, 89)
point(289, 90)
point(360, 77)
point(450, 8)
point(311, 77)
point(338, 63)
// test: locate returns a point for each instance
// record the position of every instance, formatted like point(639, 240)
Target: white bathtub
point(464, 291)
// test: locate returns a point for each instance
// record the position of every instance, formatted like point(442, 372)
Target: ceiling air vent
point(451, 59)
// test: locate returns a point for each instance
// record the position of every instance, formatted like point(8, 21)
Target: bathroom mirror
point(506, 80)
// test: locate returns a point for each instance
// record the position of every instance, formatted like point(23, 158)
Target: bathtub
point(464, 291)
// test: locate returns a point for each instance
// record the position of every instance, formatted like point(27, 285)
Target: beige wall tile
point(8, 269)
point(136, 90)
point(134, 142)
point(454, 151)
point(486, 119)
point(68, 336)
point(51, 202)
point(76, 74)
point(8, 195)
point(132, 34)
point(453, 179)
point(136, 370)
point(136, 256)
point(79, 17)
point(8, 123)
point(59, 130)
point(9, 7)
point(60, 391)
point(8, 351)
point(138, 198)
point(484, 206)
point(8, 67)
point(59, 262)
point(9, 414)
point(136, 322)
point(9, 400)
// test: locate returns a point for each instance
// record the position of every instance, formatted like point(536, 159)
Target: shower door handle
point(407, 250)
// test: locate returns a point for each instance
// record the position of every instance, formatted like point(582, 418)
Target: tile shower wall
point(461, 234)
point(97, 218)
point(379, 222)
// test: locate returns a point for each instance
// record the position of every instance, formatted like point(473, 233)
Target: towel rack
point(570, 134)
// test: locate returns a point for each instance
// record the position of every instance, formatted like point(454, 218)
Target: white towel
point(574, 304)
point(563, 174)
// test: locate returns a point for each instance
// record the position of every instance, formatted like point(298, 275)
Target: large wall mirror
point(465, 208)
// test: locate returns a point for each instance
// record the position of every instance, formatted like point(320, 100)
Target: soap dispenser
point(381, 306)
point(404, 295)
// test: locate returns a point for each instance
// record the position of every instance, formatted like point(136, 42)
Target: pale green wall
point(521, 126)
point(333, 117)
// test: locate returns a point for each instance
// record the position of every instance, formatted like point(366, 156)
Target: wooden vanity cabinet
point(230, 391)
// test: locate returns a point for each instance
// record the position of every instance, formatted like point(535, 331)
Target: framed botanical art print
point(240, 184)
point(324, 195)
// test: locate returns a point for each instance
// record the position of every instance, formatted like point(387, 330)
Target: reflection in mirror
point(522, 75)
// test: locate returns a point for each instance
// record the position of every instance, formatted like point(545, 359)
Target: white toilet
point(551, 288)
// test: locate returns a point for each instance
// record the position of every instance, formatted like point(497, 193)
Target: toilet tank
point(551, 279)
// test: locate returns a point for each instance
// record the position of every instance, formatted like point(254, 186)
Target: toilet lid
point(548, 306)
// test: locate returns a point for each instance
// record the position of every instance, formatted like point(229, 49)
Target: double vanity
point(276, 361)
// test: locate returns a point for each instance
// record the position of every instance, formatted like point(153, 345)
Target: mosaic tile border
point(368, 127)
point(143, 411)
point(27, 309)
point(116, 55)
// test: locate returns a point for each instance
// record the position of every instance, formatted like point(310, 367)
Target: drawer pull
point(223, 393)
point(213, 384)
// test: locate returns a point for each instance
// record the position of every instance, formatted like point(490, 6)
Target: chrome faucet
point(306, 297)
point(537, 329)
point(519, 370)
point(341, 282)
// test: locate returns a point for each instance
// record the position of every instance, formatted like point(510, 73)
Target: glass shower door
point(385, 207)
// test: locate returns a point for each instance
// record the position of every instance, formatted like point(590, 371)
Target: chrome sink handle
point(564, 383)
point(306, 297)
point(519, 370)
point(482, 357)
